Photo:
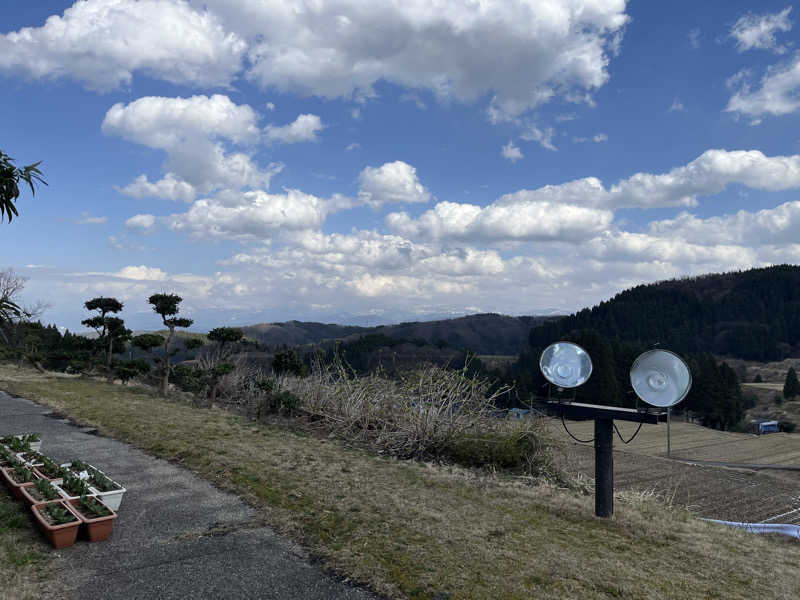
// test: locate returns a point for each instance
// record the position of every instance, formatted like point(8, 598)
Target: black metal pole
point(603, 467)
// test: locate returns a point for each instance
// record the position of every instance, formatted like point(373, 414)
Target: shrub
point(522, 451)
point(787, 426)
point(428, 412)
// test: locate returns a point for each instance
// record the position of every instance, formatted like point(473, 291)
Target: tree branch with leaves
point(10, 176)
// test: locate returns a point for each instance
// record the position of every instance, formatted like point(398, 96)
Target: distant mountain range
point(487, 333)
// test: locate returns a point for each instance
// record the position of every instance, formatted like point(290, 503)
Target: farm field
point(711, 492)
point(690, 441)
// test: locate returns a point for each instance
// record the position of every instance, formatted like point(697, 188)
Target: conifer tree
point(791, 386)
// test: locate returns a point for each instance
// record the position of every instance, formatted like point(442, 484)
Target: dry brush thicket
point(429, 412)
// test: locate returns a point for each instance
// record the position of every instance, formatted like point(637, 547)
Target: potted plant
point(50, 469)
point(41, 491)
point(108, 490)
point(96, 516)
point(31, 458)
point(73, 487)
point(57, 522)
point(6, 456)
point(18, 476)
point(22, 442)
point(16, 444)
point(79, 468)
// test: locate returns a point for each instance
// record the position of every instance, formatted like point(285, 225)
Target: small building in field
point(764, 426)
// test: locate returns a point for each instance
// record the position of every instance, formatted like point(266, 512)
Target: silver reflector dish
point(565, 364)
point(660, 378)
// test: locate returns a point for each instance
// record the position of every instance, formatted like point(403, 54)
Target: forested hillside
point(752, 314)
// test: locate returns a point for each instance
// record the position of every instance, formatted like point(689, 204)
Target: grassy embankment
point(23, 556)
point(414, 530)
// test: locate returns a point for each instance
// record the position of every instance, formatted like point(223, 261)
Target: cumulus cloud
point(141, 273)
point(144, 223)
point(102, 43)
point(391, 183)
point(776, 93)
point(770, 226)
point(193, 132)
point(303, 129)
point(676, 106)
point(509, 219)
point(251, 215)
point(511, 152)
point(448, 48)
point(168, 188)
point(758, 31)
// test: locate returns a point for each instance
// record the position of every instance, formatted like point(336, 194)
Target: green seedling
point(23, 474)
point(92, 508)
point(101, 482)
point(58, 514)
point(75, 486)
point(45, 490)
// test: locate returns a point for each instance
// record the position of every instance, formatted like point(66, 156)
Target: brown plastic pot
point(27, 495)
point(12, 485)
point(98, 529)
point(60, 536)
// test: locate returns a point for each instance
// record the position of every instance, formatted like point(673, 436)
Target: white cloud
point(145, 223)
point(254, 214)
point(168, 188)
point(544, 137)
point(770, 226)
point(708, 174)
point(579, 209)
point(777, 93)
point(391, 183)
point(141, 273)
point(676, 106)
point(694, 38)
point(758, 31)
point(88, 219)
point(509, 219)
point(352, 146)
point(102, 43)
point(193, 132)
point(450, 48)
point(597, 139)
point(511, 152)
point(270, 106)
point(303, 129)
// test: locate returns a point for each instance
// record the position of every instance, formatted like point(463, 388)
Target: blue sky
point(368, 162)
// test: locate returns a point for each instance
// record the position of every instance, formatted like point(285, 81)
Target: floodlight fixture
point(565, 365)
point(661, 378)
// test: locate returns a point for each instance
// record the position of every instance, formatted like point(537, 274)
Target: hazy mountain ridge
point(486, 333)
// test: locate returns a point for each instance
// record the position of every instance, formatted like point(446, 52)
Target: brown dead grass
point(416, 530)
point(23, 554)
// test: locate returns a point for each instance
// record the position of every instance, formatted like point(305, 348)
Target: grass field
point(412, 530)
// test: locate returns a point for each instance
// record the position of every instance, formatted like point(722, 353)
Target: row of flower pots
point(60, 497)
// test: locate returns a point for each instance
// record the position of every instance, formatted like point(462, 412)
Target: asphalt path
point(177, 536)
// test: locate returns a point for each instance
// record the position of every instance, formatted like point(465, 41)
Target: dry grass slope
point(412, 530)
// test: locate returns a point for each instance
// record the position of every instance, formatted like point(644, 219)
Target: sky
point(367, 161)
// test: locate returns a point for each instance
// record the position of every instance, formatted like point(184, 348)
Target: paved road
point(162, 547)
